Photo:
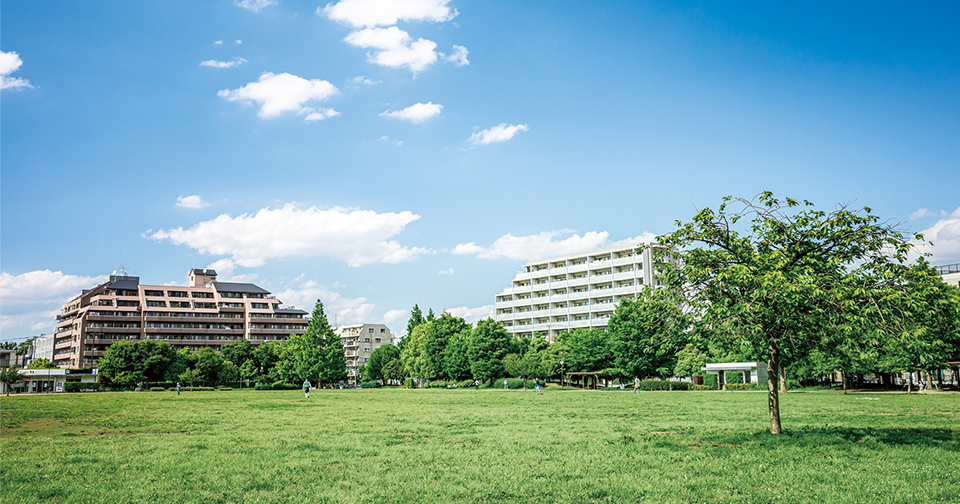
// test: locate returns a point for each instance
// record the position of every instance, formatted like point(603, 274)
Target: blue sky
point(376, 154)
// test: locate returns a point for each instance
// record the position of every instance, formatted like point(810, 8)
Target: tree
point(121, 363)
point(587, 349)
point(10, 376)
point(690, 361)
point(229, 373)
point(456, 357)
point(42, 363)
point(646, 333)
point(182, 360)
point(489, 343)
point(157, 357)
point(393, 371)
point(379, 358)
point(249, 371)
point(511, 365)
point(416, 318)
point(188, 376)
point(209, 365)
point(769, 279)
point(238, 351)
point(8, 345)
point(334, 366)
point(267, 355)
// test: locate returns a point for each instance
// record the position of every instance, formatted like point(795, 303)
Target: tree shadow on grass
point(808, 437)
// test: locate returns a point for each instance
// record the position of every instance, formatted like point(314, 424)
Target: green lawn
point(381, 446)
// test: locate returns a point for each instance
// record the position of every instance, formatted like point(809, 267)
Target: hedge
point(663, 385)
point(369, 384)
point(157, 389)
point(80, 386)
point(744, 386)
point(710, 380)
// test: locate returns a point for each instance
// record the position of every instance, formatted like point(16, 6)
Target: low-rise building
point(359, 341)
point(552, 296)
point(205, 313)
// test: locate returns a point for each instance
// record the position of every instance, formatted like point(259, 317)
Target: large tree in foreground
point(771, 269)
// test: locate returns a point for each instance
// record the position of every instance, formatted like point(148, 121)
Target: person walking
point(636, 385)
point(536, 383)
point(505, 387)
point(477, 383)
point(178, 388)
point(306, 389)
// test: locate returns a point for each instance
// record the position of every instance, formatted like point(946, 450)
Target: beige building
point(205, 313)
point(359, 341)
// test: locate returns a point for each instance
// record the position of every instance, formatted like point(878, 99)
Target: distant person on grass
point(306, 389)
point(636, 385)
point(536, 383)
point(178, 388)
point(505, 387)
point(477, 383)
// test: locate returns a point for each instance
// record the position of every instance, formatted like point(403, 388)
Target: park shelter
point(584, 379)
point(753, 372)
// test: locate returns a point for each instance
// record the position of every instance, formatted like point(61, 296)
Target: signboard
point(59, 386)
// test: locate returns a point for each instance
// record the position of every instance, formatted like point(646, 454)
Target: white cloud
point(472, 315)
point(459, 56)
point(238, 42)
point(372, 13)
point(32, 300)
point(192, 202)
point(945, 238)
point(227, 272)
point(395, 48)
point(416, 113)
point(394, 315)
point(446, 272)
point(223, 64)
point(545, 245)
point(385, 138)
point(217, 42)
point(320, 114)
point(254, 5)
point(356, 236)
point(362, 79)
point(280, 93)
point(10, 62)
point(340, 310)
point(499, 133)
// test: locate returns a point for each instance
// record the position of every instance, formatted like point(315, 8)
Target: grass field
point(382, 446)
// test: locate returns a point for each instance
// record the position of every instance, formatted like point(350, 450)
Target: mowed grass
point(422, 446)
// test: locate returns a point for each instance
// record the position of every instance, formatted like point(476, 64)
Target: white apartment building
point(552, 296)
point(359, 341)
point(950, 274)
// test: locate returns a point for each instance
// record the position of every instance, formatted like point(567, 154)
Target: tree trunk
point(773, 398)
point(783, 379)
point(909, 382)
point(939, 379)
point(843, 378)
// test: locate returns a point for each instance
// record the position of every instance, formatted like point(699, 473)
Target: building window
point(370, 330)
point(366, 340)
point(377, 340)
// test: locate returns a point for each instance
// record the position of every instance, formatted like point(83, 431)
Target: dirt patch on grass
point(51, 427)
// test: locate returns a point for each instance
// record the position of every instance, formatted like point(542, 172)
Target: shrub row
point(80, 386)
point(663, 385)
point(369, 384)
point(276, 386)
point(744, 386)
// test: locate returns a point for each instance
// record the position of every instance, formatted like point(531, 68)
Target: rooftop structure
point(552, 296)
point(206, 313)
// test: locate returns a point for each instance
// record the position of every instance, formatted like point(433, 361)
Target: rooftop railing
point(949, 268)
